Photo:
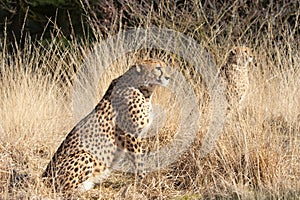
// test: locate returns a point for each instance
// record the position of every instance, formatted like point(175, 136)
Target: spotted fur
point(236, 74)
point(116, 124)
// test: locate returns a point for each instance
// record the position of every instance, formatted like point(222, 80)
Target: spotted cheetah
point(90, 150)
point(235, 73)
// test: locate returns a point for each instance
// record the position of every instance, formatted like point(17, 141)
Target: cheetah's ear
point(138, 68)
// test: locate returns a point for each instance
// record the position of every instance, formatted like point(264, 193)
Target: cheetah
point(235, 73)
point(115, 126)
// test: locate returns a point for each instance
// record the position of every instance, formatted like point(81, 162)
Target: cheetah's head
point(241, 55)
point(153, 72)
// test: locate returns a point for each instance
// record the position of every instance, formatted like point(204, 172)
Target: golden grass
point(257, 155)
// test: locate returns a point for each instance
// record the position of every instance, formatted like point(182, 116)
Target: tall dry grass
point(256, 157)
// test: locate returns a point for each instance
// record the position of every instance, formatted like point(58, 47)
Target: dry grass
point(256, 157)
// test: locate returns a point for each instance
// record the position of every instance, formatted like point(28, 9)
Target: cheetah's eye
point(232, 53)
point(158, 71)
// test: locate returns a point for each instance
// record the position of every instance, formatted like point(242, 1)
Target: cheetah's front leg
point(138, 158)
point(133, 148)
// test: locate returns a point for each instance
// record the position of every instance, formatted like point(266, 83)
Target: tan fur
point(235, 72)
point(91, 149)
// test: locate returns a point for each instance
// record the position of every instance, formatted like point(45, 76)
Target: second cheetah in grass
point(236, 74)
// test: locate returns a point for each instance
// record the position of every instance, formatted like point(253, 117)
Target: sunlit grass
point(257, 155)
